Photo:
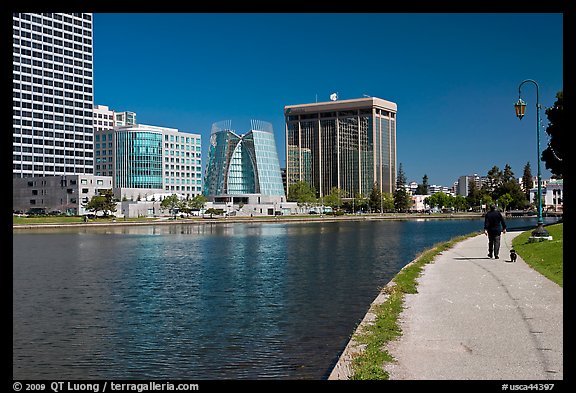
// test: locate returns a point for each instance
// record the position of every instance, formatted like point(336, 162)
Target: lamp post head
point(520, 107)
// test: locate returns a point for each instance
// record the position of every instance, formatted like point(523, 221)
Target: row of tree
point(501, 187)
point(306, 196)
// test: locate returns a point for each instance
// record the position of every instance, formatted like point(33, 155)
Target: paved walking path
point(480, 318)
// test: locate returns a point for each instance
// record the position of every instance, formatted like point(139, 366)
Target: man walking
point(494, 224)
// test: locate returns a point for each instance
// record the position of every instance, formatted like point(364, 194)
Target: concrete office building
point(52, 89)
point(65, 194)
point(243, 172)
point(348, 144)
point(147, 161)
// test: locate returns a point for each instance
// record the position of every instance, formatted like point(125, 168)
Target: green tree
point(213, 211)
point(527, 180)
point(509, 185)
point(423, 188)
point(172, 203)
point(302, 193)
point(198, 202)
point(460, 203)
point(375, 199)
point(504, 200)
point(473, 197)
point(360, 203)
point(334, 199)
point(387, 201)
point(402, 200)
point(558, 144)
point(494, 178)
point(439, 200)
point(103, 202)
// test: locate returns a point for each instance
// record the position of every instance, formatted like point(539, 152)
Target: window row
point(50, 168)
point(50, 65)
point(38, 98)
point(58, 16)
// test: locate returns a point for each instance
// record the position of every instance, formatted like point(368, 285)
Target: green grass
point(546, 257)
point(24, 220)
point(45, 219)
point(369, 363)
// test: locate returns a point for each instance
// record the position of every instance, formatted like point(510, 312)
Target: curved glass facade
point(138, 159)
point(243, 164)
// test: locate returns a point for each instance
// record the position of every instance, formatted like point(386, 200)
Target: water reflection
point(203, 301)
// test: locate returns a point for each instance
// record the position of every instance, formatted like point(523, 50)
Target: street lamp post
point(520, 108)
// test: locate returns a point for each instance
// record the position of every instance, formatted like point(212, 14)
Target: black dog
point(513, 255)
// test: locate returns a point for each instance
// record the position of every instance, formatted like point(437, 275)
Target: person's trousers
point(493, 245)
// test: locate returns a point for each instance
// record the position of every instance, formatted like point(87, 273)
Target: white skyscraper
point(52, 94)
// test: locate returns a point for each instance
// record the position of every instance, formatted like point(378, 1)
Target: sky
point(453, 76)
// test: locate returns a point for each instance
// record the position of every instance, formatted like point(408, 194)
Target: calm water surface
point(194, 301)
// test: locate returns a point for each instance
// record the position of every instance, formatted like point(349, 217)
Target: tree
point(439, 200)
point(527, 182)
point(360, 202)
point(494, 178)
point(508, 184)
point(213, 211)
point(423, 188)
point(558, 145)
point(505, 200)
point(302, 193)
point(402, 200)
point(474, 197)
point(198, 202)
point(172, 203)
point(103, 202)
point(334, 199)
point(460, 203)
point(387, 201)
point(375, 199)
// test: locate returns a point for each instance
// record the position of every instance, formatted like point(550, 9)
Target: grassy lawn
point(45, 219)
point(545, 257)
point(23, 220)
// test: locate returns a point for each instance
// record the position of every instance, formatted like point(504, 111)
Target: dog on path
point(513, 255)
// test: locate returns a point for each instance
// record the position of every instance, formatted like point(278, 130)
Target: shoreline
point(251, 220)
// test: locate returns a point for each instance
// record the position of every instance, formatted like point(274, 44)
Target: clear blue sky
point(453, 76)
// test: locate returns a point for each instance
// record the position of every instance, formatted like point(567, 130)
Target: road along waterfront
point(225, 301)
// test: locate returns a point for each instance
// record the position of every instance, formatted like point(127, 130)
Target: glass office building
point(348, 144)
point(243, 164)
point(138, 158)
point(143, 157)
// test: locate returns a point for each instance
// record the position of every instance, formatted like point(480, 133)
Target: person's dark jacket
point(494, 223)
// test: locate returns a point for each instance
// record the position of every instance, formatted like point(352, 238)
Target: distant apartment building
point(145, 160)
point(52, 90)
point(348, 144)
point(106, 118)
point(463, 184)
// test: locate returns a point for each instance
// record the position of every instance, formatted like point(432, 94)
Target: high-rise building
point(243, 164)
point(52, 89)
point(348, 144)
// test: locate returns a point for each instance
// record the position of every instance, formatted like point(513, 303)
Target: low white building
point(552, 195)
point(418, 204)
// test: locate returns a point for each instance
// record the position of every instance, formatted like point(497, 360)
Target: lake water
point(204, 301)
